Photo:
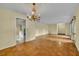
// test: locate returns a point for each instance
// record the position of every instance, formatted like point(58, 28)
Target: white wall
point(63, 28)
point(36, 29)
point(52, 28)
point(77, 29)
point(67, 28)
point(8, 27)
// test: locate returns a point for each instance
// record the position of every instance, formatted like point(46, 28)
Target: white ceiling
point(50, 12)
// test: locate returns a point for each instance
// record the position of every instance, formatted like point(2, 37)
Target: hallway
point(46, 45)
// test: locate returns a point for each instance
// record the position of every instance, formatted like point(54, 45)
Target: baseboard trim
point(8, 47)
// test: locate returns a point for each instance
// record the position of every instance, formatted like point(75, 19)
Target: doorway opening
point(20, 30)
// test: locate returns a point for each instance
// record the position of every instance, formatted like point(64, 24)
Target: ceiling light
point(34, 16)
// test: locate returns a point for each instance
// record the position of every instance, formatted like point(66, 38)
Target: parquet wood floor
point(47, 45)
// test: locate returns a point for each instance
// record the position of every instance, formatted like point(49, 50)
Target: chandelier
point(34, 16)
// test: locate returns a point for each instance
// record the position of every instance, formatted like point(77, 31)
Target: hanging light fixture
point(34, 16)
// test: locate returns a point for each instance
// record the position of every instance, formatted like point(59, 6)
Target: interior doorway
point(20, 30)
point(73, 28)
